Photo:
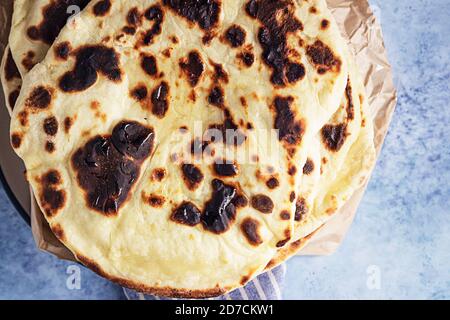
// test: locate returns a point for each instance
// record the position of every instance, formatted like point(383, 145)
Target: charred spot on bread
point(272, 183)
point(216, 97)
point(62, 50)
point(40, 98)
point(350, 105)
point(333, 136)
point(148, 64)
point(282, 243)
point(91, 61)
point(54, 18)
point(292, 170)
point(28, 62)
point(308, 168)
point(12, 98)
point(192, 176)
point(134, 17)
point(225, 168)
point(11, 70)
point(68, 123)
point(156, 15)
point(50, 126)
point(192, 67)
point(129, 30)
point(323, 57)
point(250, 229)
point(139, 93)
point(52, 197)
point(278, 21)
point(285, 215)
point(107, 167)
point(159, 174)
point(187, 213)
point(292, 196)
point(290, 130)
point(102, 7)
point(155, 201)
point(227, 132)
point(23, 118)
point(160, 100)
point(50, 147)
point(301, 209)
point(220, 211)
point(204, 13)
point(235, 36)
point(247, 58)
point(262, 203)
point(16, 140)
point(220, 75)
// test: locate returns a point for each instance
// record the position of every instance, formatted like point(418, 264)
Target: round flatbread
point(111, 123)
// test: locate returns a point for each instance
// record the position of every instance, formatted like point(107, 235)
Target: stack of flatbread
point(182, 147)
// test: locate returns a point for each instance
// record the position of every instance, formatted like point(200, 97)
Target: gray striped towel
point(267, 286)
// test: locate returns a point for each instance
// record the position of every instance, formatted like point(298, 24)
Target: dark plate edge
point(12, 198)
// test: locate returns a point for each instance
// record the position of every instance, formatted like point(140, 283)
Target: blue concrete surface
point(402, 227)
point(399, 244)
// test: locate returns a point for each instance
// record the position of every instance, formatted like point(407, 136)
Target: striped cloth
point(267, 286)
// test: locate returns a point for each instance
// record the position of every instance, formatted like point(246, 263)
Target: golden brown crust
point(163, 292)
point(285, 253)
point(58, 231)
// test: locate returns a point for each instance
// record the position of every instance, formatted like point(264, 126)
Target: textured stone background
point(402, 230)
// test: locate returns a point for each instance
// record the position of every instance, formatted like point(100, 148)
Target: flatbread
point(98, 93)
point(10, 79)
point(334, 174)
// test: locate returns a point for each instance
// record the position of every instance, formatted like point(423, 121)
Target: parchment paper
point(359, 26)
